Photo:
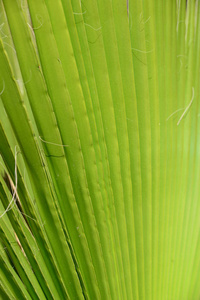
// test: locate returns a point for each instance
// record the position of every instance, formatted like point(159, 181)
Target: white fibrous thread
point(142, 51)
point(187, 108)
point(52, 143)
point(95, 29)
point(147, 20)
point(40, 21)
point(13, 200)
point(21, 80)
point(3, 35)
point(9, 46)
point(79, 13)
point(3, 88)
point(174, 113)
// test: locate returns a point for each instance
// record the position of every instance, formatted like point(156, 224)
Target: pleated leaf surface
point(100, 149)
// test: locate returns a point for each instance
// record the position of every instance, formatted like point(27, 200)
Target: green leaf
point(99, 146)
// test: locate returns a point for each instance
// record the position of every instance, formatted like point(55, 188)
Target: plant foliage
point(100, 149)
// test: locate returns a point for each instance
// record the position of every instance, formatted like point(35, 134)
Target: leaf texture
point(99, 144)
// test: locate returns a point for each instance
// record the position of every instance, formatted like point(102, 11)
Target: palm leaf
point(99, 149)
